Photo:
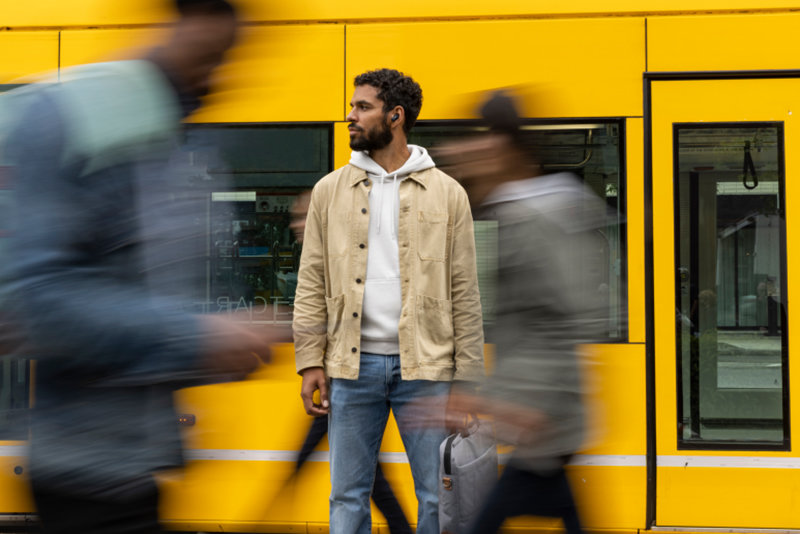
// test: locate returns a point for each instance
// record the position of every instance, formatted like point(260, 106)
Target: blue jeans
point(359, 411)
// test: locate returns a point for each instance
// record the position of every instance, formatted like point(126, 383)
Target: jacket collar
point(359, 175)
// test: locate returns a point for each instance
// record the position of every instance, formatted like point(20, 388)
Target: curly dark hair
point(395, 89)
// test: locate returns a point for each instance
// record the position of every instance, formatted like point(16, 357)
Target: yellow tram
point(680, 114)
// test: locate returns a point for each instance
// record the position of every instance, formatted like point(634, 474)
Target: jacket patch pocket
point(433, 232)
point(435, 326)
point(335, 307)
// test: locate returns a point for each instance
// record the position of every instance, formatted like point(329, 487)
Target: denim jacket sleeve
point(85, 304)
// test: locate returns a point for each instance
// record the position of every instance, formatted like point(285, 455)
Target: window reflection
point(255, 173)
point(592, 152)
point(730, 271)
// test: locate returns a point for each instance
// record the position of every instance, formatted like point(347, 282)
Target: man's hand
point(236, 348)
point(314, 379)
point(462, 402)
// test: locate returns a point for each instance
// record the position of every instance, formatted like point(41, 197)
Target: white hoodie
point(380, 313)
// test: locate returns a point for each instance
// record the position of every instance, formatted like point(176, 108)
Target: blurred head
point(479, 163)
point(483, 162)
point(385, 103)
point(299, 212)
point(204, 32)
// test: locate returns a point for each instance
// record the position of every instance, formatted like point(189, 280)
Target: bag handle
point(448, 450)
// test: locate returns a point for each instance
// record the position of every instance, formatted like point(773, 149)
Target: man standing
point(387, 304)
point(549, 300)
point(104, 245)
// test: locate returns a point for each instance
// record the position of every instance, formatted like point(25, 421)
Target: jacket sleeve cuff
point(472, 372)
point(303, 362)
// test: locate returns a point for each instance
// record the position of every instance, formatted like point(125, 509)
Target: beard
point(374, 139)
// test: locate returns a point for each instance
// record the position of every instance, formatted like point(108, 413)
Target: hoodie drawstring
point(394, 200)
point(395, 194)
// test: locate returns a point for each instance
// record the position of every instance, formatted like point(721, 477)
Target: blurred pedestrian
point(548, 301)
point(387, 303)
point(94, 276)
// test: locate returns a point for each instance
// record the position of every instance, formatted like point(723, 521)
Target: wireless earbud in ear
point(395, 117)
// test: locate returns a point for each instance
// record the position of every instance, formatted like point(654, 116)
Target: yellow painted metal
point(717, 497)
point(743, 498)
point(615, 398)
point(422, 9)
point(341, 144)
point(614, 496)
point(268, 413)
point(283, 73)
point(84, 12)
point(128, 12)
point(23, 54)
point(732, 42)
point(610, 497)
point(15, 488)
point(634, 192)
point(91, 46)
point(595, 72)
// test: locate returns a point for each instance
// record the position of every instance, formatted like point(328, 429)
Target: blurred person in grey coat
point(549, 300)
point(108, 249)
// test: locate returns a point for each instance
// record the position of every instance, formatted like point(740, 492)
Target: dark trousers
point(520, 492)
point(62, 513)
point(382, 493)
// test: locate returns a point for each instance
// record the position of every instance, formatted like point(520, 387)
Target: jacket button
point(358, 280)
point(363, 210)
point(354, 349)
point(362, 245)
point(355, 314)
point(366, 182)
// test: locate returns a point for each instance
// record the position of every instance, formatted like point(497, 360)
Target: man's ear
point(396, 114)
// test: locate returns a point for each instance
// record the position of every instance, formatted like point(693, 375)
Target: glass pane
point(731, 272)
point(254, 174)
point(14, 375)
point(591, 151)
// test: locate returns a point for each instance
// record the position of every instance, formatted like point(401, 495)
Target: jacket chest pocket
point(433, 235)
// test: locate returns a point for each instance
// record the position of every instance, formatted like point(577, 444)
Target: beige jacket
point(441, 326)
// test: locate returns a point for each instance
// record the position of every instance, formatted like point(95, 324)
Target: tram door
point(726, 238)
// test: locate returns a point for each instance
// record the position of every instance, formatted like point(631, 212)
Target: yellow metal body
point(295, 63)
point(746, 497)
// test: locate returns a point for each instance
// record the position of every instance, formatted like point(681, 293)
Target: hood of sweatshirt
point(419, 160)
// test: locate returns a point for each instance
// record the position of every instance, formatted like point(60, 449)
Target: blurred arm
point(78, 302)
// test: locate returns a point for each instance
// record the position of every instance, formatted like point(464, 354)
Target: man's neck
point(392, 156)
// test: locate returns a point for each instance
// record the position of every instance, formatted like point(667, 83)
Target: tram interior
point(730, 274)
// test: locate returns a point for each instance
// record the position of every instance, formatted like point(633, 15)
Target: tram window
point(591, 151)
point(731, 280)
point(254, 174)
point(14, 398)
point(14, 371)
